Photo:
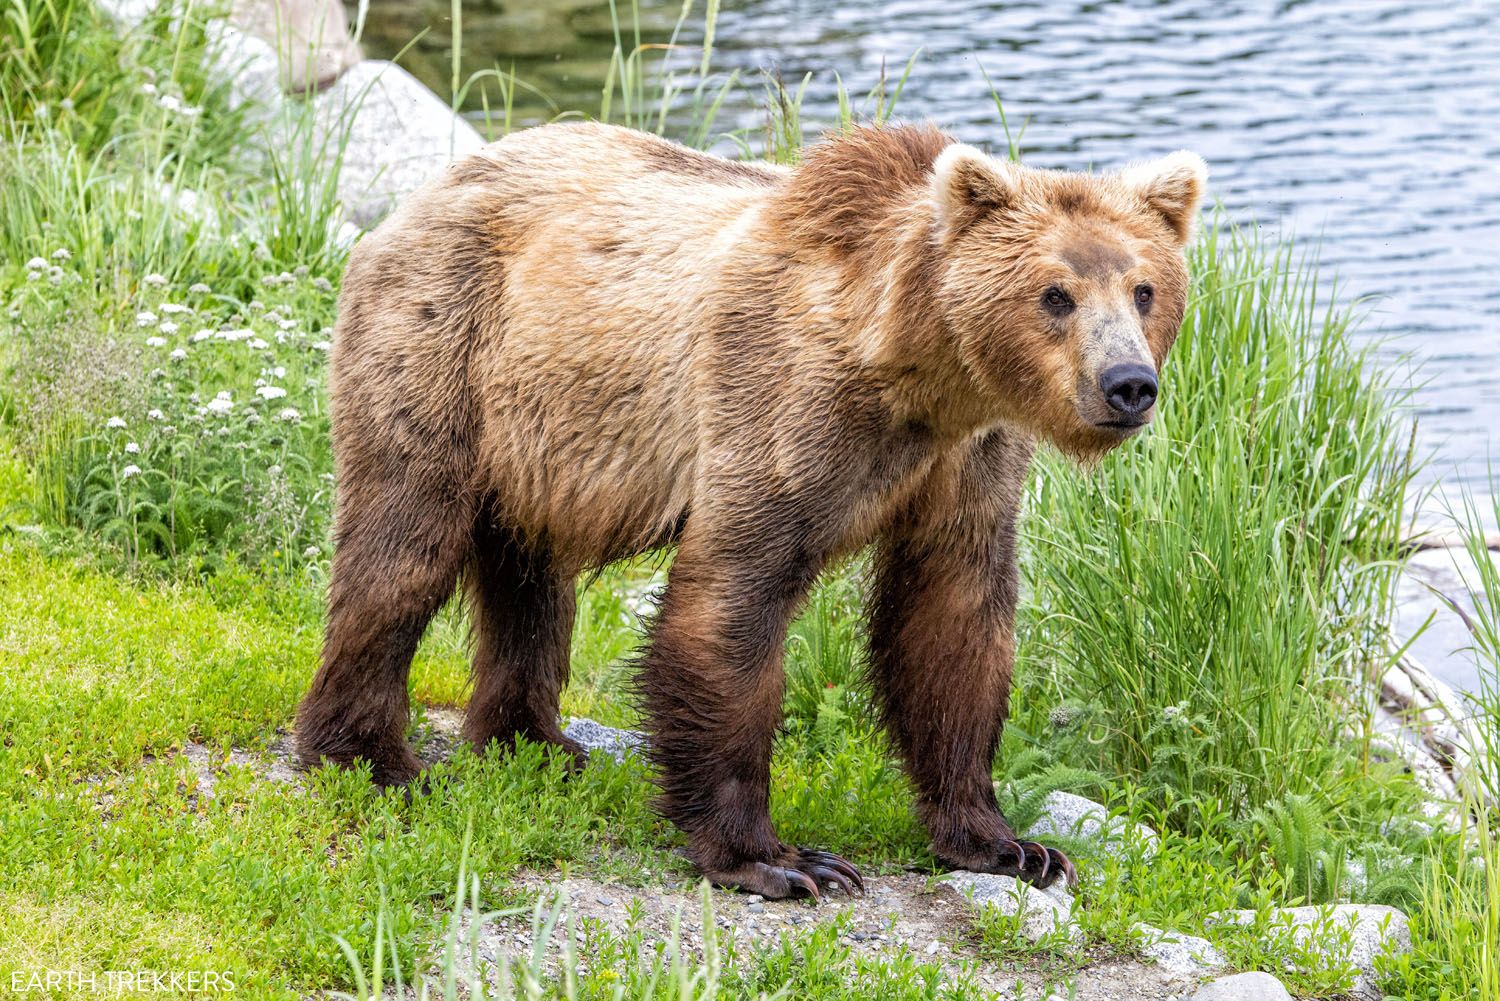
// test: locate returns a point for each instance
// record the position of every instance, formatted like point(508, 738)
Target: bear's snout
point(1130, 390)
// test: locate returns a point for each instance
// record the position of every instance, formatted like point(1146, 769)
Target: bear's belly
point(596, 460)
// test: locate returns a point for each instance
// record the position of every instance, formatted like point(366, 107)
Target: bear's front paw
point(1025, 860)
point(799, 871)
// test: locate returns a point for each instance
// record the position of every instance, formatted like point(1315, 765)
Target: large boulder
point(311, 38)
point(390, 133)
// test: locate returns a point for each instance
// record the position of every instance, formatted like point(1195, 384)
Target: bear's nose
point(1129, 389)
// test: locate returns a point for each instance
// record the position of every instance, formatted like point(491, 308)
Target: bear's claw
point(801, 873)
point(1031, 863)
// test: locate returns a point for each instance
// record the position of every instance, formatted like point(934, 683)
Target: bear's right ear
point(967, 185)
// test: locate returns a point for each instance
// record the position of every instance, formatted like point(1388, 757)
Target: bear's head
point(1065, 291)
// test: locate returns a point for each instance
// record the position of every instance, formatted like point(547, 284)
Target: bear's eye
point(1143, 295)
point(1056, 300)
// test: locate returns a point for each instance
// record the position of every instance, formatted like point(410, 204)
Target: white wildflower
point(145, 319)
point(55, 274)
point(202, 335)
point(155, 342)
point(32, 276)
point(66, 104)
point(169, 429)
point(198, 288)
point(171, 308)
point(178, 354)
point(169, 102)
point(129, 471)
point(149, 89)
point(287, 324)
point(221, 404)
point(61, 254)
point(154, 279)
point(290, 414)
point(310, 552)
point(167, 327)
point(36, 264)
point(257, 306)
point(133, 448)
point(273, 470)
point(115, 422)
point(322, 284)
point(258, 344)
point(270, 392)
point(279, 371)
point(155, 415)
point(322, 345)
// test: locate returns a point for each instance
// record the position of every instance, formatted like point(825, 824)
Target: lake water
point(1368, 128)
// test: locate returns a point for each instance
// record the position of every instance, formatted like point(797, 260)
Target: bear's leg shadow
point(403, 532)
point(941, 649)
point(712, 688)
point(521, 607)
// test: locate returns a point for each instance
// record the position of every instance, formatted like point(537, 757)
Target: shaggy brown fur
point(586, 342)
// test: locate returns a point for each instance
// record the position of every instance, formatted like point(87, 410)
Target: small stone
point(755, 908)
point(1063, 813)
point(932, 947)
point(1243, 987)
point(604, 739)
point(1043, 912)
point(1186, 955)
point(605, 901)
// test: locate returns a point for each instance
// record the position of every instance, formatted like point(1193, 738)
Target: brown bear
point(586, 342)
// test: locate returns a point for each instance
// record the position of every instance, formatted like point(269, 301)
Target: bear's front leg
point(941, 647)
point(712, 684)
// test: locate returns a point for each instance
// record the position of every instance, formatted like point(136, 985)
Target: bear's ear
point(967, 184)
point(1172, 186)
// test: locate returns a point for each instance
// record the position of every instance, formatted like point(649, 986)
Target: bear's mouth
point(1121, 425)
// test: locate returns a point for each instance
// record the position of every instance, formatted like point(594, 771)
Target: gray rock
point(1185, 955)
point(1077, 816)
point(311, 36)
point(395, 135)
point(1043, 912)
point(1373, 929)
point(248, 63)
point(596, 737)
point(1243, 987)
point(128, 13)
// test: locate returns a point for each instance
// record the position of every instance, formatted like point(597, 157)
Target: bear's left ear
point(967, 184)
point(1173, 186)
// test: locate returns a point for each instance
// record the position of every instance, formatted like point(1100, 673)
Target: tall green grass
point(1457, 926)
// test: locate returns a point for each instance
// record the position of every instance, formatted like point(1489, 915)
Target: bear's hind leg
point(521, 607)
point(400, 542)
